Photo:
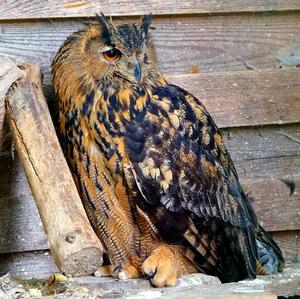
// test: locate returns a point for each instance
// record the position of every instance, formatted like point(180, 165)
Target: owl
point(154, 175)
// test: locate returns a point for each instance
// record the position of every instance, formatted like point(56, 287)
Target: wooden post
point(74, 245)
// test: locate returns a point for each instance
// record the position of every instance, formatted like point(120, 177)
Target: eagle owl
point(156, 180)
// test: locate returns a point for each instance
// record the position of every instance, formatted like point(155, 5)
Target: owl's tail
point(270, 259)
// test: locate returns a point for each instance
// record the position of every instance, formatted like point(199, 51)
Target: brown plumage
point(156, 180)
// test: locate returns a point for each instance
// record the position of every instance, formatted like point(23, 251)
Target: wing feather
point(183, 168)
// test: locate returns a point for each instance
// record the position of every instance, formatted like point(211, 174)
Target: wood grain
point(259, 146)
point(247, 98)
point(289, 242)
point(259, 143)
point(269, 167)
point(35, 264)
point(277, 206)
point(214, 43)
point(272, 152)
point(261, 154)
point(74, 245)
point(57, 9)
point(21, 228)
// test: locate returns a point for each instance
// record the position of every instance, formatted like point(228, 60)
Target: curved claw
point(128, 272)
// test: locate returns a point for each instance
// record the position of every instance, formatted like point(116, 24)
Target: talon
point(127, 272)
point(117, 270)
point(151, 274)
point(122, 275)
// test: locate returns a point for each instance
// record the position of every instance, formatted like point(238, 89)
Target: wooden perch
point(74, 246)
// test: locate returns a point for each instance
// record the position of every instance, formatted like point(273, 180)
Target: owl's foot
point(128, 272)
point(104, 271)
point(161, 267)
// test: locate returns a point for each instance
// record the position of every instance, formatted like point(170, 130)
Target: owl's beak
point(137, 71)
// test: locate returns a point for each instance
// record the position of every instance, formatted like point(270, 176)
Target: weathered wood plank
point(40, 264)
point(57, 9)
point(272, 152)
point(281, 284)
point(289, 242)
point(262, 142)
point(259, 146)
point(247, 98)
point(216, 43)
point(277, 209)
point(35, 264)
point(276, 202)
point(21, 228)
point(269, 167)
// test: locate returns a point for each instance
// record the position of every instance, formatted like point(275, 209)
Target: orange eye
point(112, 55)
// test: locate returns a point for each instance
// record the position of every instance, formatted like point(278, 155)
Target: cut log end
point(82, 263)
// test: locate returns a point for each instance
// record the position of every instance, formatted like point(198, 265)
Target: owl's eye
point(112, 55)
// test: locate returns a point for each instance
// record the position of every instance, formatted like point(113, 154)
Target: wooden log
point(74, 245)
point(9, 73)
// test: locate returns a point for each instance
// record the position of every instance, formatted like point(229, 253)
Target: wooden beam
point(214, 43)
point(58, 9)
point(279, 167)
point(74, 245)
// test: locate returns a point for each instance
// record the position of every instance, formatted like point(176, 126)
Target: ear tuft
point(146, 21)
point(105, 28)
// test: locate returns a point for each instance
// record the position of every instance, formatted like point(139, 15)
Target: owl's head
point(106, 53)
point(122, 51)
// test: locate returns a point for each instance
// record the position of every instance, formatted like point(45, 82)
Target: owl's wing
point(185, 174)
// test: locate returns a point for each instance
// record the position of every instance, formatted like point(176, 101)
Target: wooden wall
point(241, 58)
